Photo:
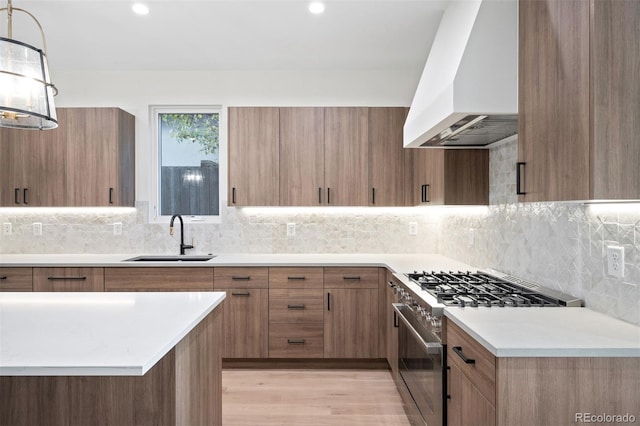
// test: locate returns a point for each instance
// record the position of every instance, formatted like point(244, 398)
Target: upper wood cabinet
point(579, 100)
point(254, 137)
point(386, 157)
point(450, 176)
point(89, 160)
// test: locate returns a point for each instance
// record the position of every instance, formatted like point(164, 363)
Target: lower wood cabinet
point(16, 279)
point(246, 311)
point(351, 328)
point(68, 279)
point(158, 279)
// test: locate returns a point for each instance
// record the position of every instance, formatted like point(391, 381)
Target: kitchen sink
point(164, 258)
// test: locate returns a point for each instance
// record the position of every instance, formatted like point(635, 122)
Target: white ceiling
point(232, 34)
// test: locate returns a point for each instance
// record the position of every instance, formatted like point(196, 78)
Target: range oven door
point(421, 362)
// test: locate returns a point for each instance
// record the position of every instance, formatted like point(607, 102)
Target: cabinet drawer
point(296, 341)
point(295, 305)
point(350, 277)
point(16, 279)
point(481, 373)
point(295, 277)
point(158, 279)
point(240, 277)
point(68, 279)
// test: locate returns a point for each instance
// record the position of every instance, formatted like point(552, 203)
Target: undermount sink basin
point(164, 258)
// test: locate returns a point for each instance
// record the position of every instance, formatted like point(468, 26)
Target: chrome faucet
point(183, 246)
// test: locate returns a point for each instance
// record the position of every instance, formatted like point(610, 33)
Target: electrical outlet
point(37, 229)
point(615, 261)
point(413, 228)
point(6, 228)
point(117, 228)
point(291, 229)
point(472, 237)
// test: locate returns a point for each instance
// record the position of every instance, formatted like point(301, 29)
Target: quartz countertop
point(547, 332)
point(95, 334)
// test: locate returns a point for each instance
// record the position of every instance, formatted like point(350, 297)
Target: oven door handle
point(432, 348)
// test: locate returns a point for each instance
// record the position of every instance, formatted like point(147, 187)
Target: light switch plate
point(615, 261)
point(6, 228)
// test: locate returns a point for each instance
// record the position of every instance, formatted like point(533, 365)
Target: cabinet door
point(246, 323)
point(428, 180)
point(346, 156)
point(466, 405)
point(19, 151)
point(466, 176)
point(68, 279)
point(16, 279)
point(351, 323)
point(254, 135)
point(302, 157)
point(386, 156)
point(553, 100)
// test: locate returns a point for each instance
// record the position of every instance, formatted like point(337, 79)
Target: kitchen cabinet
point(68, 279)
point(254, 137)
point(16, 279)
point(296, 313)
point(386, 157)
point(158, 279)
point(351, 318)
point(450, 176)
point(578, 100)
point(87, 161)
point(246, 312)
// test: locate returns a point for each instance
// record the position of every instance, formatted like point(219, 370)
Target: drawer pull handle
point(301, 278)
point(458, 350)
point(247, 294)
point(351, 277)
point(66, 278)
point(3, 277)
point(239, 278)
point(295, 306)
point(295, 341)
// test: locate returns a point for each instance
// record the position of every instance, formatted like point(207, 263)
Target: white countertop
point(548, 332)
point(95, 334)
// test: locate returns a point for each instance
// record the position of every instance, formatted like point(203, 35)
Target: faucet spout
point(183, 246)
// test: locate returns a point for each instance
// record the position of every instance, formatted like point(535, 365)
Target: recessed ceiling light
point(316, 7)
point(140, 9)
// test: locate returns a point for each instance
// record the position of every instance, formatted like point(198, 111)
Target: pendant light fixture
point(26, 92)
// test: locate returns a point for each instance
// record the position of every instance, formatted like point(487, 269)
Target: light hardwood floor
point(310, 397)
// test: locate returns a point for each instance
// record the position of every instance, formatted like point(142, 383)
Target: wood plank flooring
point(310, 397)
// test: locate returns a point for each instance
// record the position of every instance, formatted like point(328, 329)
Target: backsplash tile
point(559, 245)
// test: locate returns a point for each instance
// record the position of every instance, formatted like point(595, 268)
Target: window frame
point(154, 114)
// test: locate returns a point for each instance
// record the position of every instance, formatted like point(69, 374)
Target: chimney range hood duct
point(468, 93)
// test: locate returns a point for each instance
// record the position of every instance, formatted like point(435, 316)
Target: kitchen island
point(106, 359)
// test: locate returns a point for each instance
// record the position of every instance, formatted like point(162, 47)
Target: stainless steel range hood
point(468, 93)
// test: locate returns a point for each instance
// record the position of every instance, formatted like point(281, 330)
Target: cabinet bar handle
point(247, 294)
point(295, 306)
point(328, 301)
point(233, 195)
point(66, 278)
point(519, 166)
point(351, 277)
point(110, 195)
point(319, 195)
point(395, 319)
point(295, 341)
point(423, 193)
point(15, 195)
point(300, 278)
point(373, 195)
point(458, 350)
point(241, 278)
point(328, 195)
point(24, 196)
point(3, 277)
point(426, 193)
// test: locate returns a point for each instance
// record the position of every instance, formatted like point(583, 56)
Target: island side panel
point(199, 373)
point(536, 391)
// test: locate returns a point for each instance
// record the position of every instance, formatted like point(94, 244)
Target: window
point(187, 170)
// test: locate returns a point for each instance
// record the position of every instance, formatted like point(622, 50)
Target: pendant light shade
point(26, 92)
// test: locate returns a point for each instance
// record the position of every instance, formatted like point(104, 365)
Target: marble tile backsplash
point(559, 245)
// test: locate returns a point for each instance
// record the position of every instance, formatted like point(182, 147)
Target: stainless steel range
point(422, 353)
